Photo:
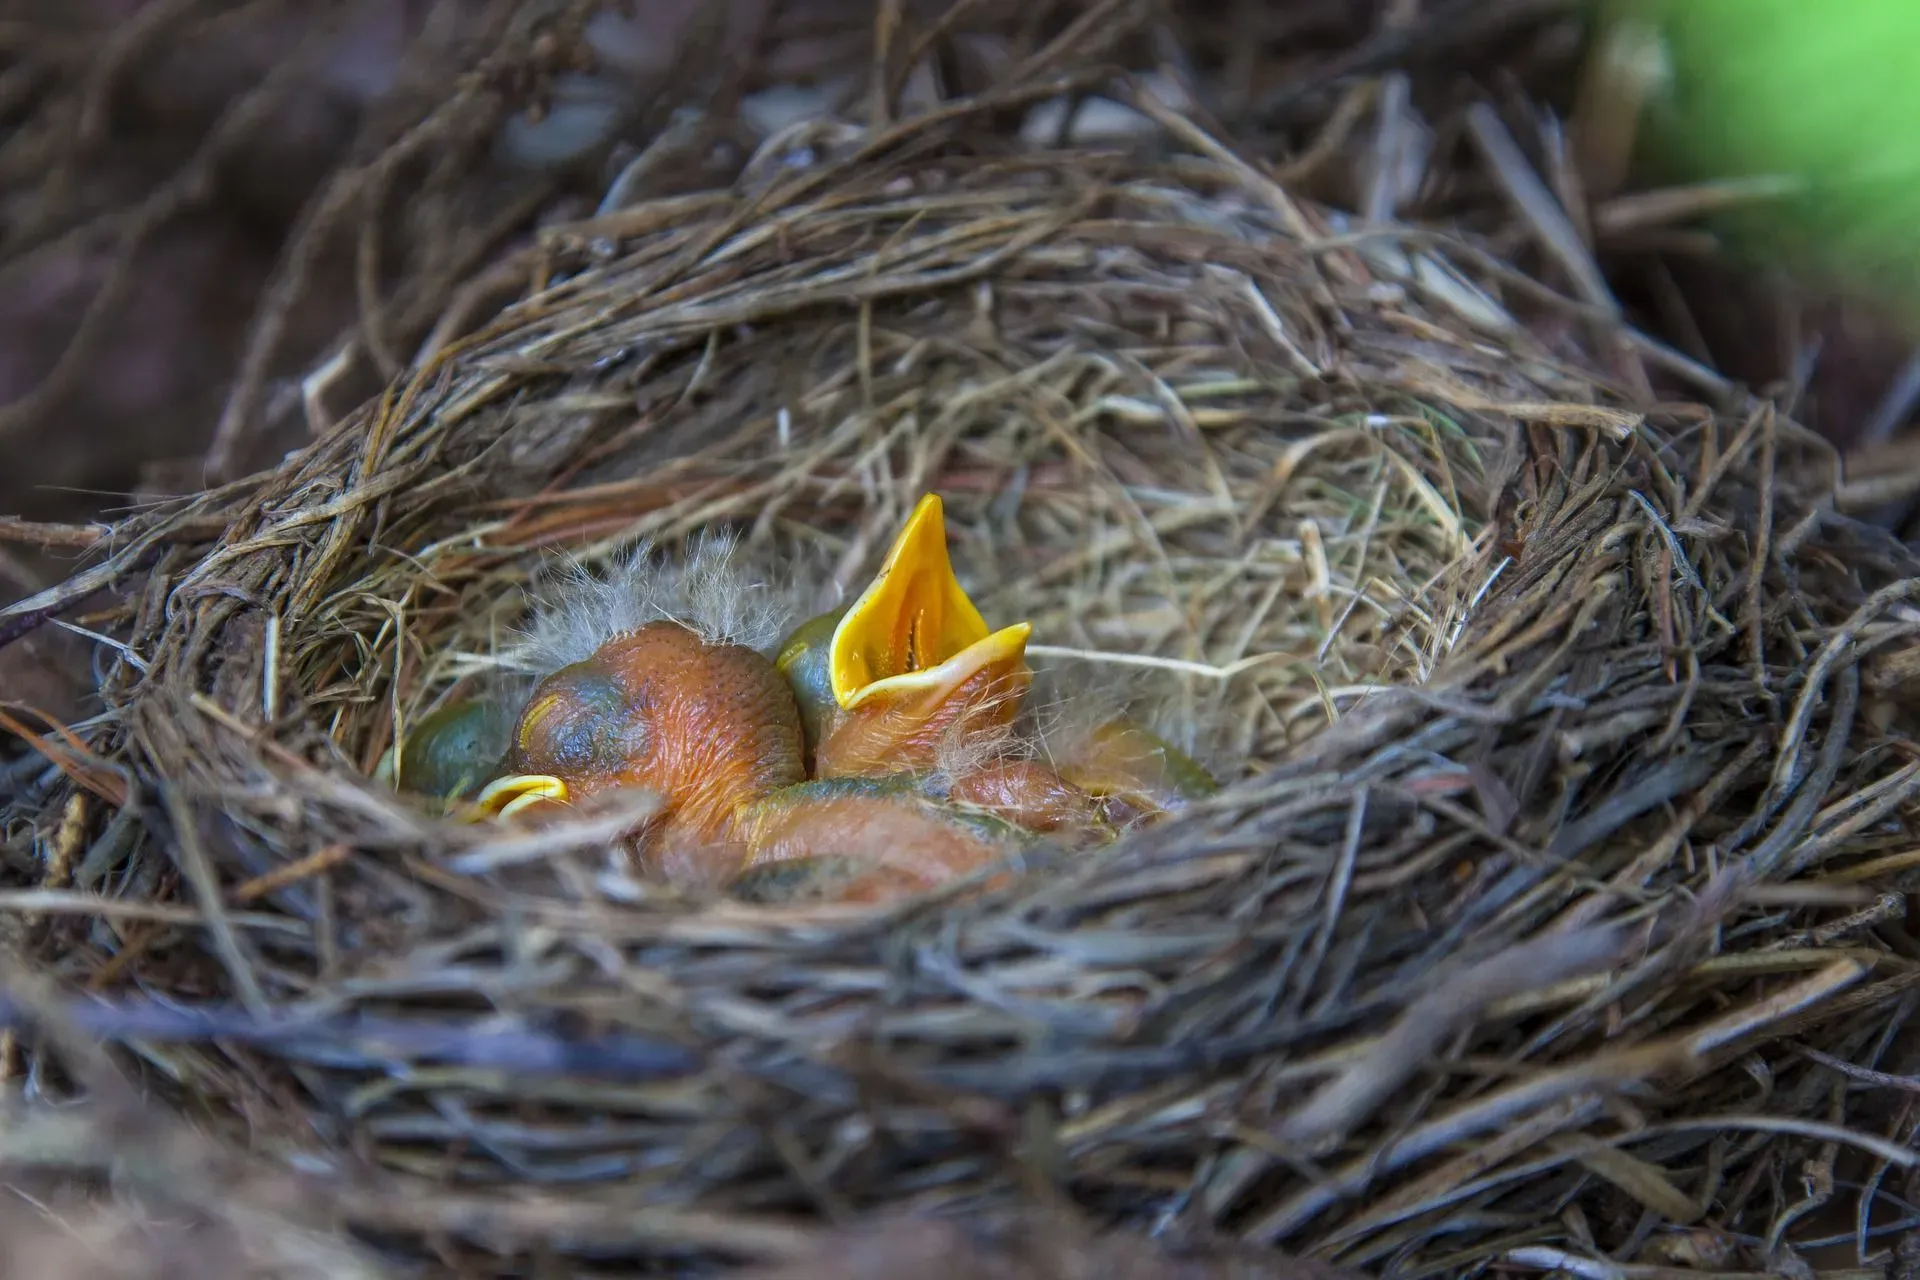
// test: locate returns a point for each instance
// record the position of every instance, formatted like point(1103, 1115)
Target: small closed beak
point(914, 634)
point(505, 797)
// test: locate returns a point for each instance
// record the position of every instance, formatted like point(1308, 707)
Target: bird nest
point(1557, 878)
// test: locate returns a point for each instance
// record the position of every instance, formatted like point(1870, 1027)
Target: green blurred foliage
point(1827, 91)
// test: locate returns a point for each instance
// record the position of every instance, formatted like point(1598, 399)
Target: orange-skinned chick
point(705, 727)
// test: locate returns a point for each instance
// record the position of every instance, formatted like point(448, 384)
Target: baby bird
point(911, 672)
point(706, 726)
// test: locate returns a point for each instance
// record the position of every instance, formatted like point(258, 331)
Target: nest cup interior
point(1133, 452)
point(1513, 721)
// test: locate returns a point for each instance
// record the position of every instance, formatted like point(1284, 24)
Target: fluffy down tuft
point(713, 591)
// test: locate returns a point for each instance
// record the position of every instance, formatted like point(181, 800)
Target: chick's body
point(1031, 795)
point(875, 754)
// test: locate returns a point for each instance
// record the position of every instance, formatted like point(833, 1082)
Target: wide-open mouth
point(914, 631)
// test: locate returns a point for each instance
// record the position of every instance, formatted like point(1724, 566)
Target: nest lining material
point(1562, 840)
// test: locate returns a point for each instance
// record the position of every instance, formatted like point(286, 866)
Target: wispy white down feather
point(713, 591)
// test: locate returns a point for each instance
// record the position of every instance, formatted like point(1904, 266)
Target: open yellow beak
point(504, 797)
point(913, 631)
